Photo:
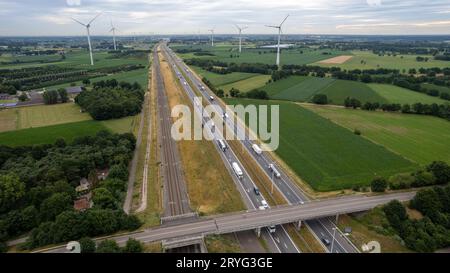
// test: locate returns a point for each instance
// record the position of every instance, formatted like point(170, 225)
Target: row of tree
point(111, 99)
point(437, 173)
point(55, 96)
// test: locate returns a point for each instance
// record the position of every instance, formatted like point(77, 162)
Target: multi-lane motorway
point(222, 224)
point(278, 241)
point(322, 228)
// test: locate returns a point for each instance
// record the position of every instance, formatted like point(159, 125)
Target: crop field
point(219, 80)
point(422, 139)
point(395, 94)
point(441, 89)
point(230, 54)
point(297, 88)
point(140, 76)
point(368, 60)
point(39, 116)
point(67, 131)
point(340, 90)
point(247, 84)
point(327, 156)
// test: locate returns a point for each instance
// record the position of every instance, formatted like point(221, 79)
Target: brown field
point(336, 60)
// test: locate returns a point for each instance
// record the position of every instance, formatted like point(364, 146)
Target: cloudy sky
point(52, 17)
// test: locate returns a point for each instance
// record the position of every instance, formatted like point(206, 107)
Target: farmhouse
point(74, 90)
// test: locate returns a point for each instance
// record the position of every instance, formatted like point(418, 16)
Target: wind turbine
point(113, 30)
point(88, 26)
point(279, 38)
point(212, 37)
point(240, 29)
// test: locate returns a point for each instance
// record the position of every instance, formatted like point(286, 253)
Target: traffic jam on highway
point(323, 229)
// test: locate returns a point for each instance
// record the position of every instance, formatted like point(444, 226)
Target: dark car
point(257, 192)
point(326, 242)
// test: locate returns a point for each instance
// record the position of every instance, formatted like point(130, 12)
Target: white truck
point(222, 145)
point(237, 170)
point(276, 173)
point(257, 149)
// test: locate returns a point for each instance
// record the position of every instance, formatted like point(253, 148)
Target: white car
point(272, 229)
point(264, 204)
point(211, 97)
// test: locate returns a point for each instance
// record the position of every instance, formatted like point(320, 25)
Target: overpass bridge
point(256, 219)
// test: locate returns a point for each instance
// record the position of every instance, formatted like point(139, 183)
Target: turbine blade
point(95, 18)
point(273, 26)
point(284, 20)
point(78, 21)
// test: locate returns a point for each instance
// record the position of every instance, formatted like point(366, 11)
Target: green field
point(340, 90)
point(299, 88)
point(395, 94)
point(68, 131)
point(228, 53)
point(441, 89)
point(373, 61)
point(422, 139)
point(327, 156)
point(39, 116)
point(247, 84)
point(219, 79)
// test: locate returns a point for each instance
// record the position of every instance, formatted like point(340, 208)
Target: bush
point(87, 245)
point(401, 181)
point(108, 246)
point(320, 99)
point(357, 132)
point(441, 171)
point(133, 246)
point(379, 184)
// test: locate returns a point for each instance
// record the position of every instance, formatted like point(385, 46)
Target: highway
point(284, 184)
point(279, 241)
point(234, 222)
point(176, 200)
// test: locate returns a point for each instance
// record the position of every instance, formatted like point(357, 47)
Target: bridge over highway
point(229, 223)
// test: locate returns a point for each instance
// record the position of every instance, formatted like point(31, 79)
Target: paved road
point(222, 224)
point(176, 201)
point(284, 184)
point(279, 241)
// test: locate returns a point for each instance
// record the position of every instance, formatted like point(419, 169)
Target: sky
point(377, 17)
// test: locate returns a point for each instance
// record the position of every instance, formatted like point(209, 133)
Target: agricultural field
point(395, 94)
point(219, 79)
point(421, 139)
point(40, 116)
point(247, 84)
point(67, 131)
point(300, 88)
point(441, 89)
point(230, 54)
point(340, 90)
point(369, 60)
point(327, 156)
point(140, 76)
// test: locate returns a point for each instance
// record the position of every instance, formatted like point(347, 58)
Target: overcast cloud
point(52, 17)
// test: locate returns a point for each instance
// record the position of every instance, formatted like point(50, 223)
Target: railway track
point(176, 201)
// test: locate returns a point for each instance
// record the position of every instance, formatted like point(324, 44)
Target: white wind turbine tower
point(240, 29)
point(279, 38)
point(212, 36)
point(113, 30)
point(88, 26)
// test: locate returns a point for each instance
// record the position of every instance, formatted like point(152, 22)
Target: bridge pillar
point(258, 232)
point(299, 225)
point(337, 219)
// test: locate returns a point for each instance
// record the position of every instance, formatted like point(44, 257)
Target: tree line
point(37, 189)
point(111, 99)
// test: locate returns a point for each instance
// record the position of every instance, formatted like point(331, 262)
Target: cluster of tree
point(218, 92)
point(53, 96)
point(422, 59)
point(111, 99)
point(430, 233)
point(110, 246)
point(7, 89)
point(37, 185)
point(443, 57)
point(321, 99)
point(437, 173)
point(124, 54)
point(442, 110)
point(254, 94)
